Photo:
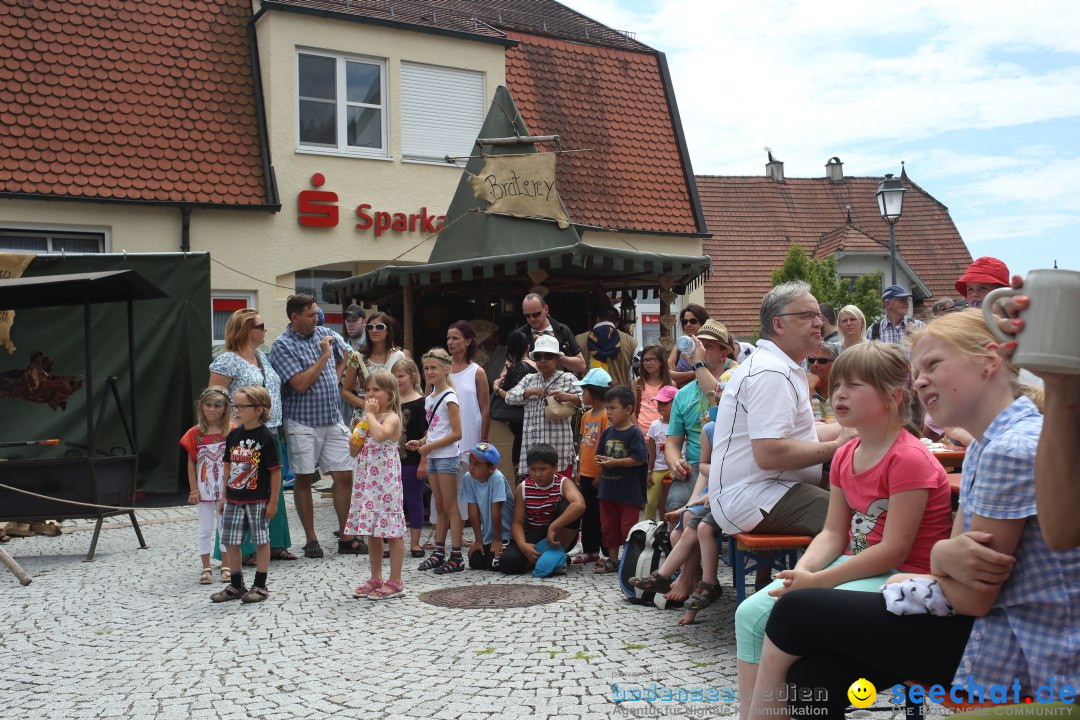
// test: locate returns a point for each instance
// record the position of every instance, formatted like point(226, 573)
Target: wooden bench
point(749, 551)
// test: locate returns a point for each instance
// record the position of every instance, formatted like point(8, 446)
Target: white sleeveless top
point(468, 406)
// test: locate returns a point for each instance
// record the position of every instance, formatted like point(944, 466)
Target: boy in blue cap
point(491, 506)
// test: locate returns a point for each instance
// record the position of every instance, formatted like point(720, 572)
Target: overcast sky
point(980, 99)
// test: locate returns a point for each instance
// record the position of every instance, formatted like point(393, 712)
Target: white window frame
point(104, 232)
point(342, 106)
point(245, 295)
point(480, 109)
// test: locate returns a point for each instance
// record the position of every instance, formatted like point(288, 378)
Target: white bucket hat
point(546, 344)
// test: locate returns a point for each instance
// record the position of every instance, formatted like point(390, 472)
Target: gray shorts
point(679, 490)
point(326, 446)
point(801, 511)
point(706, 518)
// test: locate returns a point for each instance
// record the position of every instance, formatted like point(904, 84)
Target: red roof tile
point(611, 104)
point(754, 220)
point(129, 100)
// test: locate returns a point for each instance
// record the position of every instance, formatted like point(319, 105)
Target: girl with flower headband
point(439, 450)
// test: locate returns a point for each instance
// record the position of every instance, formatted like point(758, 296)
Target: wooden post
point(409, 319)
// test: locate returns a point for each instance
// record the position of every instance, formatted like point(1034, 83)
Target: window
point(442, 111)
point(47, 241)
point(341, 104)
point(222, 306)
point(312, 281)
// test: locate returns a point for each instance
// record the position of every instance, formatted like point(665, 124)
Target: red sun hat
point(984, 270)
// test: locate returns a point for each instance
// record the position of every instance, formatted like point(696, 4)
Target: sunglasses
point(691, 321)
point(242, 406)
point(533, 316)
point(215, 405)
point(544, 356)
point(260, 326)
point(819, 361)
point(377, 326)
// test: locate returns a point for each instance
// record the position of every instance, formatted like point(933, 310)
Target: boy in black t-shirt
point(622, 455)
point(253, 473)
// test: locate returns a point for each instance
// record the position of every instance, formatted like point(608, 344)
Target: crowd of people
point(819, 429)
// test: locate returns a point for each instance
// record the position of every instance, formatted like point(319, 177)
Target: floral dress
point(376, 497)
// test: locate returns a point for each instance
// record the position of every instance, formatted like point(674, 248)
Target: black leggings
point(844, 635)
point(590, 521)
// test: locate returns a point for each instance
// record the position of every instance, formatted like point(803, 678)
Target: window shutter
point(442, 111)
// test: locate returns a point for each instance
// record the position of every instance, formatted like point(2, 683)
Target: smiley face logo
point(862, 693)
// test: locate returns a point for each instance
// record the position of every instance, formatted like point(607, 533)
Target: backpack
point(647, 545)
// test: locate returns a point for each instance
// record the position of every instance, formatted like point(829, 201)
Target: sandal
point(249, 560)
point(605, 565)
point(654, 582)
point(226, 574)
point(585, 559)
point(313, 549)
point(356, 546)
point(389, 589)
point(417, 552)
point(255, 595)
point(452, 565)
point(703, 596)
point(281, 554)
point(434, 560)
point(206, 576)
point(367, 588)
point(229, 593)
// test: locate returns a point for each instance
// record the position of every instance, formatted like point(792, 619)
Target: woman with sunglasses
point(242, 364)
point(691, 318)
point(379, 353)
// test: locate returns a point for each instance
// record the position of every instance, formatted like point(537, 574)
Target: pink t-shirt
point(647, 412)
point(908, 465)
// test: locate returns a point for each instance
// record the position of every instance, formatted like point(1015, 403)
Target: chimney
point(774, 169)
point(834, 170)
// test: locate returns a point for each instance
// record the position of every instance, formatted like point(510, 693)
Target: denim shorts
point(443, 465)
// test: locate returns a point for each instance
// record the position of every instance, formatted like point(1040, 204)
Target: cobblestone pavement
point(132, 634)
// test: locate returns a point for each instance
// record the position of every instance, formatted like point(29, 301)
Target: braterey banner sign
point(522, 186)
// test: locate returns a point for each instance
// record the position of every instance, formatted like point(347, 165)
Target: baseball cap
point(355, 311)
point(666, 393)
point(486, 452)
point(597, 377)
point(893, 292)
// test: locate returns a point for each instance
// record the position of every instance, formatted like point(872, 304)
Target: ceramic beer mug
point(1049, 341)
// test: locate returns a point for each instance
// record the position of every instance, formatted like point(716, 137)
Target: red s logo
point(315, 206)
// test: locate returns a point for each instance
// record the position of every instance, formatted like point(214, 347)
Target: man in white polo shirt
point(767, 450)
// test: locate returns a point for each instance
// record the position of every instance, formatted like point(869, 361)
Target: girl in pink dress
point(377, 497)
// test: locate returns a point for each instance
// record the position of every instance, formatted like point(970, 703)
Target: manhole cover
point(494, 596)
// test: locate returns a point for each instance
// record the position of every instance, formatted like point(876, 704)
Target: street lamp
point(890, 200)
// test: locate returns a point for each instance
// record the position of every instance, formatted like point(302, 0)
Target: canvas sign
point(522, 186)
point(12, 266)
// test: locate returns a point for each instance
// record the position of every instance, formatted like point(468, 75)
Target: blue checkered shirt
point(293, 353)
point(894, 333)
point(1033, 631)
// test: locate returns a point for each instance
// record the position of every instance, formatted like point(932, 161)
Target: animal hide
point(37, 383)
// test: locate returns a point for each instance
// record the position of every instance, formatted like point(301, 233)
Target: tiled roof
point(424, 16)
point(481, 17)
point(611, 104)
point(146, 100)
point(754, 220)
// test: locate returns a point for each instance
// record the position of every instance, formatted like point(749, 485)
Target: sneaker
point(387, 590)
point(367, 588)
point(229, 593)
point(255, 595)
point(433, 561)
point(453, 565)
point(313, 549)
